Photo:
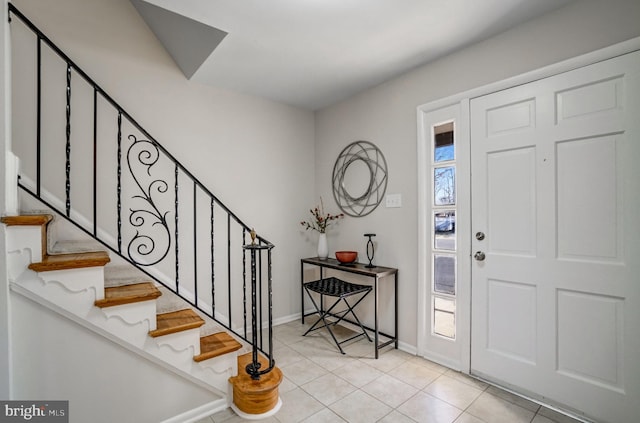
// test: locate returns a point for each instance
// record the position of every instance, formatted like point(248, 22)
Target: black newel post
point(253, 368)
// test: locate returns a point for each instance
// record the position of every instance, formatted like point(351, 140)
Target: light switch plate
point(394, 200)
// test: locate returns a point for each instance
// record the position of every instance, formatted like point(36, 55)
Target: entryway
point(555, 239)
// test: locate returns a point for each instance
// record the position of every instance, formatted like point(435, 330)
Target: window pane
point(444, 274)
point(444, 226)
point(444, 150)
point(444, 231)
point(444, 317)
point(444, 186)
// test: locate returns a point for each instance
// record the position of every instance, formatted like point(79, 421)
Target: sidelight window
point(443, 257)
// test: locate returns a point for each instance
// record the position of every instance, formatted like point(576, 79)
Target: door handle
point(479, 256)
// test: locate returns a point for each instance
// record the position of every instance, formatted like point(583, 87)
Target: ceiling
point(313, 53)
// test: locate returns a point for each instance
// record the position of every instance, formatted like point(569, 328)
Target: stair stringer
point(72, 293)
point(139, 350)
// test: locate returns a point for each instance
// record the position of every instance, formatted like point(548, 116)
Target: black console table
point(376, 273)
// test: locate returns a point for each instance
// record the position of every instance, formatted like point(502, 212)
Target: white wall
point(255, 155)
point(386, 116)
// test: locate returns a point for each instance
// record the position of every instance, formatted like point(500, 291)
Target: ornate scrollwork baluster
point(143, 244)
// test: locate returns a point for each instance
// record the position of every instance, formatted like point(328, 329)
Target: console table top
point(359, 268)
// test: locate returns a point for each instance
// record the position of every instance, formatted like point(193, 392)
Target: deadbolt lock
point(479, 236)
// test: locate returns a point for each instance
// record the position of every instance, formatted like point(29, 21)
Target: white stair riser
point(76, 301)
point(221, 363)
point(24, 246)
point(134, 313)
point(78, 279)
point(215, 373)
point(134, 334)
point(180, 341)
point(214, 377)
point(29, 237)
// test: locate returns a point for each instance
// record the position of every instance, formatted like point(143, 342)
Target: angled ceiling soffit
point(187, 41)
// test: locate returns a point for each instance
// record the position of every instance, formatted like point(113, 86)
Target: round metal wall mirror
point(359, 178)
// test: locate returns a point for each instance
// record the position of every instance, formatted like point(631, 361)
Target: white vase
point(323, 247)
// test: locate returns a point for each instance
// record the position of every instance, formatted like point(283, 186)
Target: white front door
point(555, 167)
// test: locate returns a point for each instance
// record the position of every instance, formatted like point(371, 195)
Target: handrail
point(143, 186)
point(71, 63)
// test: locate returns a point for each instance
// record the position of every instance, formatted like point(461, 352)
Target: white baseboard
point(403, 346)
point(286, 319)
point(408, 348)
point(199, 413)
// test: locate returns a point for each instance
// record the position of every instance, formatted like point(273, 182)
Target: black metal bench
point(334, 287)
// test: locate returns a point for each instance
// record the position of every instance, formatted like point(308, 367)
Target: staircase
point(142, 266)
point(75, 284)
point(116, 302)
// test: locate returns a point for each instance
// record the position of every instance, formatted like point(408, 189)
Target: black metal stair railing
point(163, 220)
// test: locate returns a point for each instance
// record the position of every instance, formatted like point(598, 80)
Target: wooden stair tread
point(216, 345)
point(27, 220)
point(127, 294)
point(176, 321)
point(71, 261)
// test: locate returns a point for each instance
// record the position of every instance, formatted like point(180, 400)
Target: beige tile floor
point(321, 385)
